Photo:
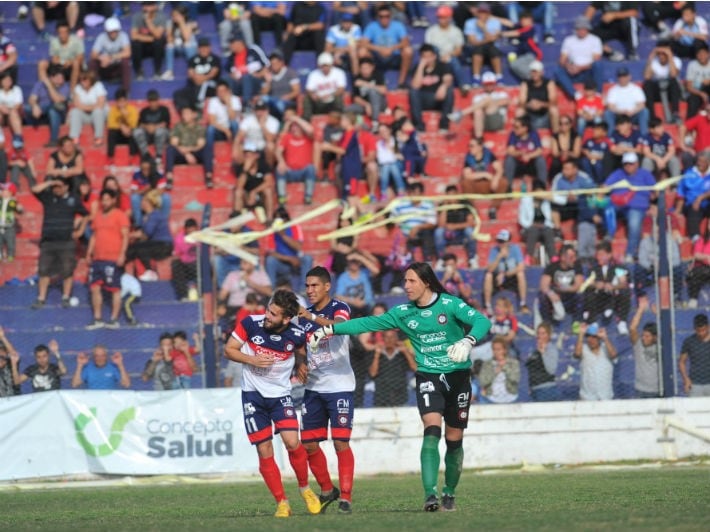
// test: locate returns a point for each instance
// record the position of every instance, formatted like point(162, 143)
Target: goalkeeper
point(442, 329)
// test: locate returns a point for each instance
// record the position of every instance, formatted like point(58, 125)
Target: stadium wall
point(80, 433)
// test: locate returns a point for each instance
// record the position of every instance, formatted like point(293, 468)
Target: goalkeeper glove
point(460, 351)
point(318, 335)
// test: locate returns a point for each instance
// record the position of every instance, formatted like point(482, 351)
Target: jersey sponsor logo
point(426, 387)
point(432, 337)
point(258, 340)
point(471, 312)
point(441, 318)
point(412, 324)
point(426, 313)
point(249, 409)
point(275, 337)
point(431, 348)
point(403, 307)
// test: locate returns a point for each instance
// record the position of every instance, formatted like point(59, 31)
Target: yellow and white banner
point(124, 433)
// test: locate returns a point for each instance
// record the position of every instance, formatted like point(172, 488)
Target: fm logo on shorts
point(343, 406)
point(463, 399)
point(441, 318)
point(412, 324)
point(426, 387)
point(286, 401)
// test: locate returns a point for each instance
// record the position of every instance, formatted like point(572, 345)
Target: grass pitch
point(671, 498)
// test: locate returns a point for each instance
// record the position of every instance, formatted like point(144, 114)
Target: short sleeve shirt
point(188, 135)
point(699, 355)
point(104, 45)
point(392, 35)
point(43, 381)
point(563, 277)
point(515, 257)
point(66, 52)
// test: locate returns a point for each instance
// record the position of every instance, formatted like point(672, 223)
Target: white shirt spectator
point(216, 108)
point(664, 71)
point(494, 95)
point(252, 130)
point(446, 40)
point(386, 151)
point(11, 98)
point(91, 96)
point(597, 375)
point(697, 73)
point(625, 98)
point(581, 52)
point(104, 45)
point(325, 86)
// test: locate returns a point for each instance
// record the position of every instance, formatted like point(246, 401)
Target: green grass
point(673, 498)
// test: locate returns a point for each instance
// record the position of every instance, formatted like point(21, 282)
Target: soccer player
point(442, 329)
point(329, 393)
point(268, 345)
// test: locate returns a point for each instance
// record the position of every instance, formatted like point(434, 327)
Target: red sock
point(319, 467)
point(299, 462)
point(272, 477)
point(346, 470)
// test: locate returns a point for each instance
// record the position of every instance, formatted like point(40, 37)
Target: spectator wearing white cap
point(631, 204)
point(597, 353)
point(580, 58)
point(626, 98)
point(505, 271)
point(324, 88)
point(110, 56)
point(538, 99)
point(489, 107)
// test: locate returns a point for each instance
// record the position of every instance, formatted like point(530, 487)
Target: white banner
point(126, 433)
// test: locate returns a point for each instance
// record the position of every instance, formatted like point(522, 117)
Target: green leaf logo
point(114, 439)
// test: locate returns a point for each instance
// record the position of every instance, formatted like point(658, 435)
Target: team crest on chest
point(441, 318)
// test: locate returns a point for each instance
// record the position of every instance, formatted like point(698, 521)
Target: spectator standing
point(66, 54)
point(597, 353)
point(499, 377)
point(153, 240)
point(153, 127)
point(482, 32)
point(159, 367)
point(629, 204)
point(100, 373)
point(324, 88)
point(305, 29)
point(542, 366)
point(431, 88)
point(694, 361)
point(8, 387)
point(188, 145)
point(88, 107)
point(111, 54)
point(662, 82)
point(203, 71)
point(699, 269)
point(9, 209)
point(122, 120)
point(387, 42)
point(559, 286)
point(43, 375)
point(184, 265)
point(580, 59)
point(295, 158)
point(282, 86)
point(538, 99)
point(697, 80)
point(616, 21)
point(57, 248)
point(645, 346)
point(626, 98)
point(659, 151)
point(524, 153)
point(489, 107)
point(180, 38)
point(106, 255)
point(455, 225)
point(689, 31)
point(390, 363)
point(699, 128)
point(505, 271)
point(49, 100)
point(448, 40)
point(148, 38)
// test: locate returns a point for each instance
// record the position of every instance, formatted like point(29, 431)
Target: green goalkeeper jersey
point(431, 329)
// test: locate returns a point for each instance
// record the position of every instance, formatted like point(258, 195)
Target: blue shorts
point(321, 408)
point(260, 412)
point(105, 274)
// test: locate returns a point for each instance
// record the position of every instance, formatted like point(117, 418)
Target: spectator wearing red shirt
point(106, 256)
point(182, 355)
point(700, 125)
point(184, 265)
point(295, 157)
point(590, 106)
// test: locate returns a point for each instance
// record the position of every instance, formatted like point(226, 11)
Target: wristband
point(313, 316)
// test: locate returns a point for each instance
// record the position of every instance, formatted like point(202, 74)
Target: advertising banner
point(124, 433)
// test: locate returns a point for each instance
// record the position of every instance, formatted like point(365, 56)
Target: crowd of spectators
point(254, 100)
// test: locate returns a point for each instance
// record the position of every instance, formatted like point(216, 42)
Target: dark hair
point(382, 305)
point(448, 256)
point(120, 93)
point(427, 275)
point(110, 192)
point(53, 70)
point(415, 185)
point(451, 188)
point(180, 334)
point(688, 6)
point(525, 14)
point(287, 301)
point(426, 48)
point(565, 248)
point(62, 24)
point(524, 121)
point(152, 95)
point(654, 122)
point(384, 7)
point(623, 119)
point(223, 83)
point(571, 160)
point(190, 222)
point(650, 327)
point(63, 140)
point(40, 348)
point(282, 213)
point(165, 336)
point(700, 320)
point(700, 45)
point(604, 245)
point(320, 272)
point(590, 84)
point(367, 60)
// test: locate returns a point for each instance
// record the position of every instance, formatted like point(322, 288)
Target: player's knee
point(452, 445)
point(433, 431)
